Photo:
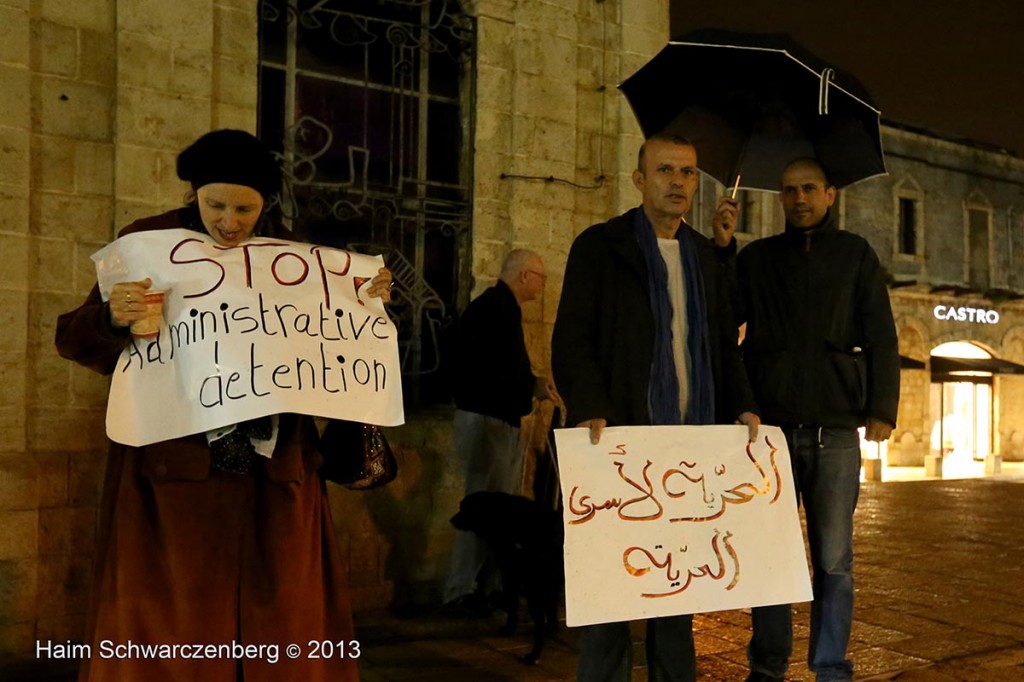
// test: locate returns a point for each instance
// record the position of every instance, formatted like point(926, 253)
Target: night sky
point(954, 67)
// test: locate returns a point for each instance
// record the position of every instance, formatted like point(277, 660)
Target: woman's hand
point(380, 286)
point(127, 302)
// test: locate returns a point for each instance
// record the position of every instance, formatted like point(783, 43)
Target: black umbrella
point(752, 102)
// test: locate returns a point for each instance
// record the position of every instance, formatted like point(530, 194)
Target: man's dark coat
point(603, 340)
point(821, 345)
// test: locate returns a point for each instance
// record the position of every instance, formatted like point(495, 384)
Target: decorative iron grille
point(369, 105)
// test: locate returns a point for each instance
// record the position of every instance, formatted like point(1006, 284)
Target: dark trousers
point(606, 651)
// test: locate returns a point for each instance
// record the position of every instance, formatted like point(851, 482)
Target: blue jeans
point(489, 450)
point(826, 471)
point(606, 651)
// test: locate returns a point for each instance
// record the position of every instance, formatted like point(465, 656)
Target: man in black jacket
point(645, 335)
point(494, 387)
point(821, 352)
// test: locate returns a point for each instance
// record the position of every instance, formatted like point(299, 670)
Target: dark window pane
point(439, 263)
point(977, 223)
point(398, 60)
point(338, 48)
point(372, 130)
point(908, 226)
point(273, 31)
point(444, 74)
point(270, 117)
point(444, 140)
point(367, 41)
point(342, 110)
point(386, 11)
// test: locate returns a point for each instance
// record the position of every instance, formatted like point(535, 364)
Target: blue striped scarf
point(663, 391)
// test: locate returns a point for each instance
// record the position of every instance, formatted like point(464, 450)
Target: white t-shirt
point(677, 296)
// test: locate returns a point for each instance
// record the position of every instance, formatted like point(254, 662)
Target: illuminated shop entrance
point(961, 403)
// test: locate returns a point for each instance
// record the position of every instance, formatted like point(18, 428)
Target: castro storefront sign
point(965, 314)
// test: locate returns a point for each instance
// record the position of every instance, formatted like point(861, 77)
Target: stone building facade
point(100, 95)
point(962, 250)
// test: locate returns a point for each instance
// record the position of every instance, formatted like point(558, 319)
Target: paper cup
point(149, 326)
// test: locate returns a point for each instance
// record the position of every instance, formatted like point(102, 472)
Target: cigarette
point(736, 186)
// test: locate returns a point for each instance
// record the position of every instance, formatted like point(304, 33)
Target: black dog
point(526, 541)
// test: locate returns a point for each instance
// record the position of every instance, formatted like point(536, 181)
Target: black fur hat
point(230, 156)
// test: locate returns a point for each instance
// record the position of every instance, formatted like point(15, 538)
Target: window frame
point(977, 201)
point(907, 189)
point(406, 212)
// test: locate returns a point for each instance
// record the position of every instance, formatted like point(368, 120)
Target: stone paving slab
point(940, 598)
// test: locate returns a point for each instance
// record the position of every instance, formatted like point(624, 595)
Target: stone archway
point(962, 405)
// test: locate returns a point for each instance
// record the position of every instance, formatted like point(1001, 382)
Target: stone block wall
point(547, 107)
point(397, 540)
point(97, 98)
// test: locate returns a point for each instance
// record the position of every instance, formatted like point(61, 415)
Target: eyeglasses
point(543, 276)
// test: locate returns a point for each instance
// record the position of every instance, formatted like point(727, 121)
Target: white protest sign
point(265, 327)
point(669, 520)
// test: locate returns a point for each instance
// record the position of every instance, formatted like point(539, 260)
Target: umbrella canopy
point(753, 102)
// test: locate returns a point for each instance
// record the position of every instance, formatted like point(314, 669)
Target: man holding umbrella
point(821, 352)
point(645, 335)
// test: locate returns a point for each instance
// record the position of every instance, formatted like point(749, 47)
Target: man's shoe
point(762, 677)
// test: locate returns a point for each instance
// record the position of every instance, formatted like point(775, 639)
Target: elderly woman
point(202, 542)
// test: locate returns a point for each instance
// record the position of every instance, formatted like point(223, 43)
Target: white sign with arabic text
point(669, 520)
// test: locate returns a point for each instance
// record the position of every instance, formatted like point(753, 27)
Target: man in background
point(494, 387)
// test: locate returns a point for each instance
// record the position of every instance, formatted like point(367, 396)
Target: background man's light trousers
point(490, 455)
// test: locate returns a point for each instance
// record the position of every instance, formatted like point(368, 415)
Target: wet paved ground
point(940, 597)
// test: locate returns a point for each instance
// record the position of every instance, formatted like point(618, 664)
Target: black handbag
point(356, 455)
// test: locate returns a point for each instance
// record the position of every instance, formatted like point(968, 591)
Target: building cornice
point(951, 155)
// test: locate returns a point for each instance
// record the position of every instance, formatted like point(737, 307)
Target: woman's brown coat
point(193, 556)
